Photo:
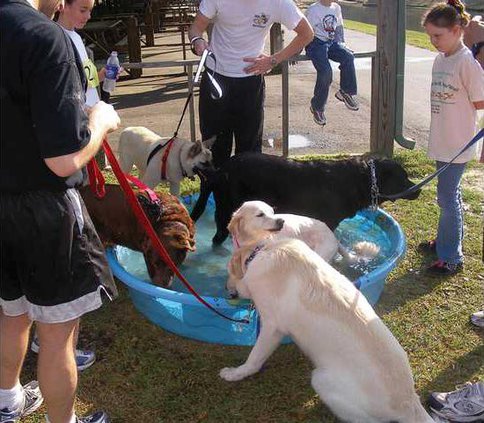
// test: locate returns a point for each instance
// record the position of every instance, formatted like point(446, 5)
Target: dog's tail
point(363, 251)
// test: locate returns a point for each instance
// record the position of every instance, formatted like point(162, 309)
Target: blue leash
point(474, 140)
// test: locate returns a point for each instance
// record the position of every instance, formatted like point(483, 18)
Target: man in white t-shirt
point(327, 21)
point(237, 42)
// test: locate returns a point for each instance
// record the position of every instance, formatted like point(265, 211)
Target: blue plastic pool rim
point(220, 302)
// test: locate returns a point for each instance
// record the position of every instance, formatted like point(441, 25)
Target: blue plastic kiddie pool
point(179, 312)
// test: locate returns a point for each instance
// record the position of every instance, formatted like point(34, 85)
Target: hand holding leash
point(198, 45)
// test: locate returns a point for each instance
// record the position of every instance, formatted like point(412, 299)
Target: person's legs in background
point(317, 51)
point(348, 86)
point(451, 221)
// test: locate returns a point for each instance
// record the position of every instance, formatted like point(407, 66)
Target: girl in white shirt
point(457, 92)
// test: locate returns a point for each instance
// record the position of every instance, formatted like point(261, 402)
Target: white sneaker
point(465, 404)
point(477, 318)
point(349, 100)
point(32, 401)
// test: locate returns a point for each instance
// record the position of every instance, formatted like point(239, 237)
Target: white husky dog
point(361, 372)
point(147, 150)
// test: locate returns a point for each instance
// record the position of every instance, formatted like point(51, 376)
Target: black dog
point(328, 190)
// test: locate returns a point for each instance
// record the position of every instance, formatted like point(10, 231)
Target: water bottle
point(112, 68)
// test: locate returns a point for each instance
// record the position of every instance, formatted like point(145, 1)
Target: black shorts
point(53, 265)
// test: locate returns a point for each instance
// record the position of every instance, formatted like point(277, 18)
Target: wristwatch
point(273, 61)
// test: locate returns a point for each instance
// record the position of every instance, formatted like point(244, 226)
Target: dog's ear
point(178, 240)
point(236, 264)
point(234, 224)
point(195, 149)
point(209, 142)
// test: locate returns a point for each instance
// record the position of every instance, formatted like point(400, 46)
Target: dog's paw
point(232, 374)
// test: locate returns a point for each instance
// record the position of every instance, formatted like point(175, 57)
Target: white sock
point(11, 399)
point(72, 420)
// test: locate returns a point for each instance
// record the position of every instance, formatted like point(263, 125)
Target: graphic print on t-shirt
point(442, 91)
point(260, 20)
point(329, 25)
point(91, 73)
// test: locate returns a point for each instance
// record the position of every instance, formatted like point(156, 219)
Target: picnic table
point(121, 35)
point(95, 32)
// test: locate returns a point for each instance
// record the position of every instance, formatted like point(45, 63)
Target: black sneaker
point(442, 268)
point(349, 100)
point(427, 247)
point(97, 417)
point(32, 401)
point(318, 116)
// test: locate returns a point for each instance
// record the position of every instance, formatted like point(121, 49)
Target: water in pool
point(206, 269)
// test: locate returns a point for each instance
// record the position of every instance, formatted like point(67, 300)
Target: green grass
point(414, 38)
point(145, 374)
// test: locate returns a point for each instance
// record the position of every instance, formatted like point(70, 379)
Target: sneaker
point(84, 358)
point(428, 247)
point(465, 404)
point(442, 268)
point(32, 401)
point(97, 417)
point(477, 318)
point(349, 100)
point(318, 116)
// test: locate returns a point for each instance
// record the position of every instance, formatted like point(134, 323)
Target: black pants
point(239, 113)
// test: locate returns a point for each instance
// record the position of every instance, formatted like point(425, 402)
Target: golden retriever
point(361, 372)
point(255, 220)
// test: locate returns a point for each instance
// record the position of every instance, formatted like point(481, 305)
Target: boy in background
point(328, 44)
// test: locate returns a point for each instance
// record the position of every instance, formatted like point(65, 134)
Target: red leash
point(96, 179)
point(143, 219)
point(164, 158)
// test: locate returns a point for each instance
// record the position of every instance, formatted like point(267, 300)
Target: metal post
point(191, 105)
point(285, 108)
point(399, 94)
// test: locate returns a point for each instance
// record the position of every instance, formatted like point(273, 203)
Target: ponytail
point(446, 15)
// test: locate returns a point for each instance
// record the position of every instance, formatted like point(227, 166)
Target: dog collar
point(252, 255)
point(374, 191)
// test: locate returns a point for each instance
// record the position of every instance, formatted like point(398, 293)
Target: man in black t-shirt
point(53, 267)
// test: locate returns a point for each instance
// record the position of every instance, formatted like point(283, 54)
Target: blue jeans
point(320, 52)
point(451, 220)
